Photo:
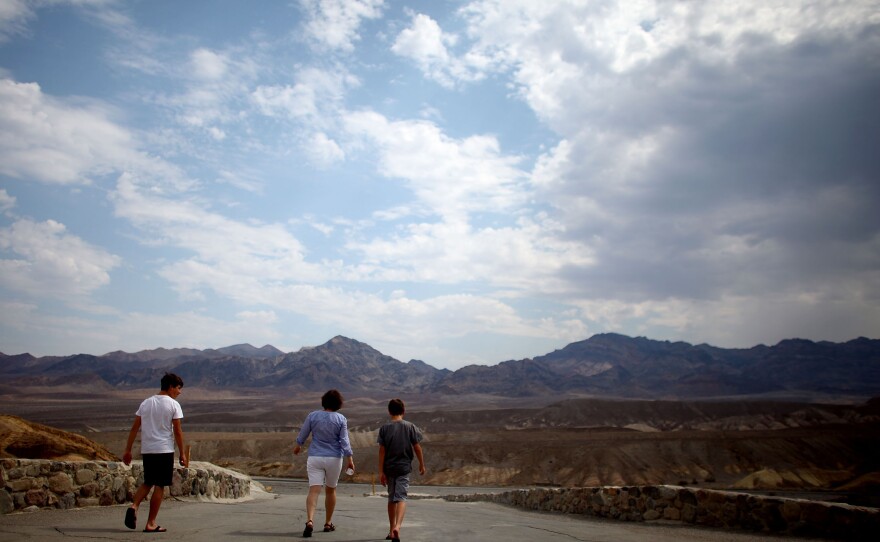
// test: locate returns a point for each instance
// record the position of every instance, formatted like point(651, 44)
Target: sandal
point(328, 527)
point(130, 518)
point(307, 532)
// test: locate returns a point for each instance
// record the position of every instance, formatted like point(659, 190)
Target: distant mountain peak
point(607, 364)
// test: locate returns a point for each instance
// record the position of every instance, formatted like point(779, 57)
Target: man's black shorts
point(158, 469)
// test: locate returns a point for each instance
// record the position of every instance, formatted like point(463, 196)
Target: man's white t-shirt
point(157, 432)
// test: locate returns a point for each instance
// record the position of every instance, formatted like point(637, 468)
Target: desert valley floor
point(758, 445)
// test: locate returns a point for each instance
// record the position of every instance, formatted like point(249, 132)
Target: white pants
point(324, 471)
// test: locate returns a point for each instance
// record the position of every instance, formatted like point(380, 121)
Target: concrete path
point(360, 517)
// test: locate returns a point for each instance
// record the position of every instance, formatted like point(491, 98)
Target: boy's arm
point(135, 427)
point(417, 448)
point(178, 436)
point(382, 479)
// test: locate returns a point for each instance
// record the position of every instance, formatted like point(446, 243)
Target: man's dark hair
point(332, 400)
point(396, 407)
point(171, 380)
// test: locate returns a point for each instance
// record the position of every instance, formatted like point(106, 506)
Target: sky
point(460, 182)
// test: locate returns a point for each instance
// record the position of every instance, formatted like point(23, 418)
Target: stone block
point(36, 497)
point(20, 484)
point(672, 513)
point(89, 490)
point(106, 498)
point(60, 483)
point(87, 501)
point(67, 501)
point(791, 511)
point(84, 476)
point(689, 513)
point(7, 505)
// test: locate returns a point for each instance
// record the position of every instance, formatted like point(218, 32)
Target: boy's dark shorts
point(158, 469)
point(397, 487)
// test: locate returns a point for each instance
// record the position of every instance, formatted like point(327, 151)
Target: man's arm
point(178, 436)
point(417, 448)
point(135, 427)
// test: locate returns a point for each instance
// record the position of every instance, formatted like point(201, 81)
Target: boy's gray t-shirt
point(398, 439)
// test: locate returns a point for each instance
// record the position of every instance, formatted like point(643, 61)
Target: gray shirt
point(398, 439)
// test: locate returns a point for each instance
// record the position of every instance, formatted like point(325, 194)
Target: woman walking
point(329, 430)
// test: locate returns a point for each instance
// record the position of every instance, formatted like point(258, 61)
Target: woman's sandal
point(328, 527)
point(307, 532)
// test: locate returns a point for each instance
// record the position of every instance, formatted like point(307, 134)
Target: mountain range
point(605, 365)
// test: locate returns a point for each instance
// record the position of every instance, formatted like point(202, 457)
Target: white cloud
point(334, 24)
point(52, 262)
point(230, 258)
point(209, 65)
point(13, 17)
point(453, 177)
point(63, 335)
point(425, 43)
point(315, 98)
point(323, 150)
point(7, 202)
point(46, 140)
point(296, 101)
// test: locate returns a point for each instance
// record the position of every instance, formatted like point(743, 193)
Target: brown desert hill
point(22, 439)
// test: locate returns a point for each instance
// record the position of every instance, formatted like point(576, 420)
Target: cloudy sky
point(458, 182)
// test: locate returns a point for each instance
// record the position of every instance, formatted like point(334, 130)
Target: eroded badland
point(487, 440)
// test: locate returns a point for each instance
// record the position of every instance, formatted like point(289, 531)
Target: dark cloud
point(765, 176)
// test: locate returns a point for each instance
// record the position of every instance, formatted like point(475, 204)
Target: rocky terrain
point(758, 446)
point(20, 438)
point(797, 416)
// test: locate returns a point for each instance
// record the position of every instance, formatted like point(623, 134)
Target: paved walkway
point(360, 517)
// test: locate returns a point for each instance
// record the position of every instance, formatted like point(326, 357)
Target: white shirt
point(157, 432)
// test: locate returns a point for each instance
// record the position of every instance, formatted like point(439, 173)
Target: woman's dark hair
point(171, 380)
point(396, 407)
point(332, 400)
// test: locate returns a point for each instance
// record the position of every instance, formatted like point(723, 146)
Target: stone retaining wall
point(722, 509)
point(34, 483)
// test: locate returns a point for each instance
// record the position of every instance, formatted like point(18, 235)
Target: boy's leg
point(391, 515)
point(397, 489)
point(155, 503)
point(158, 472)
point(140, 495)
point(399, 512)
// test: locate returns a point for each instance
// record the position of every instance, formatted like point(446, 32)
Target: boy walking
point(398, 443)
point(158, 420)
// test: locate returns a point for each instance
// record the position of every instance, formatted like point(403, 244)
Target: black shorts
point(158, 469)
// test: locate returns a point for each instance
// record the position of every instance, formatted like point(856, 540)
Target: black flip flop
point(158, 529)
point(130, 518)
